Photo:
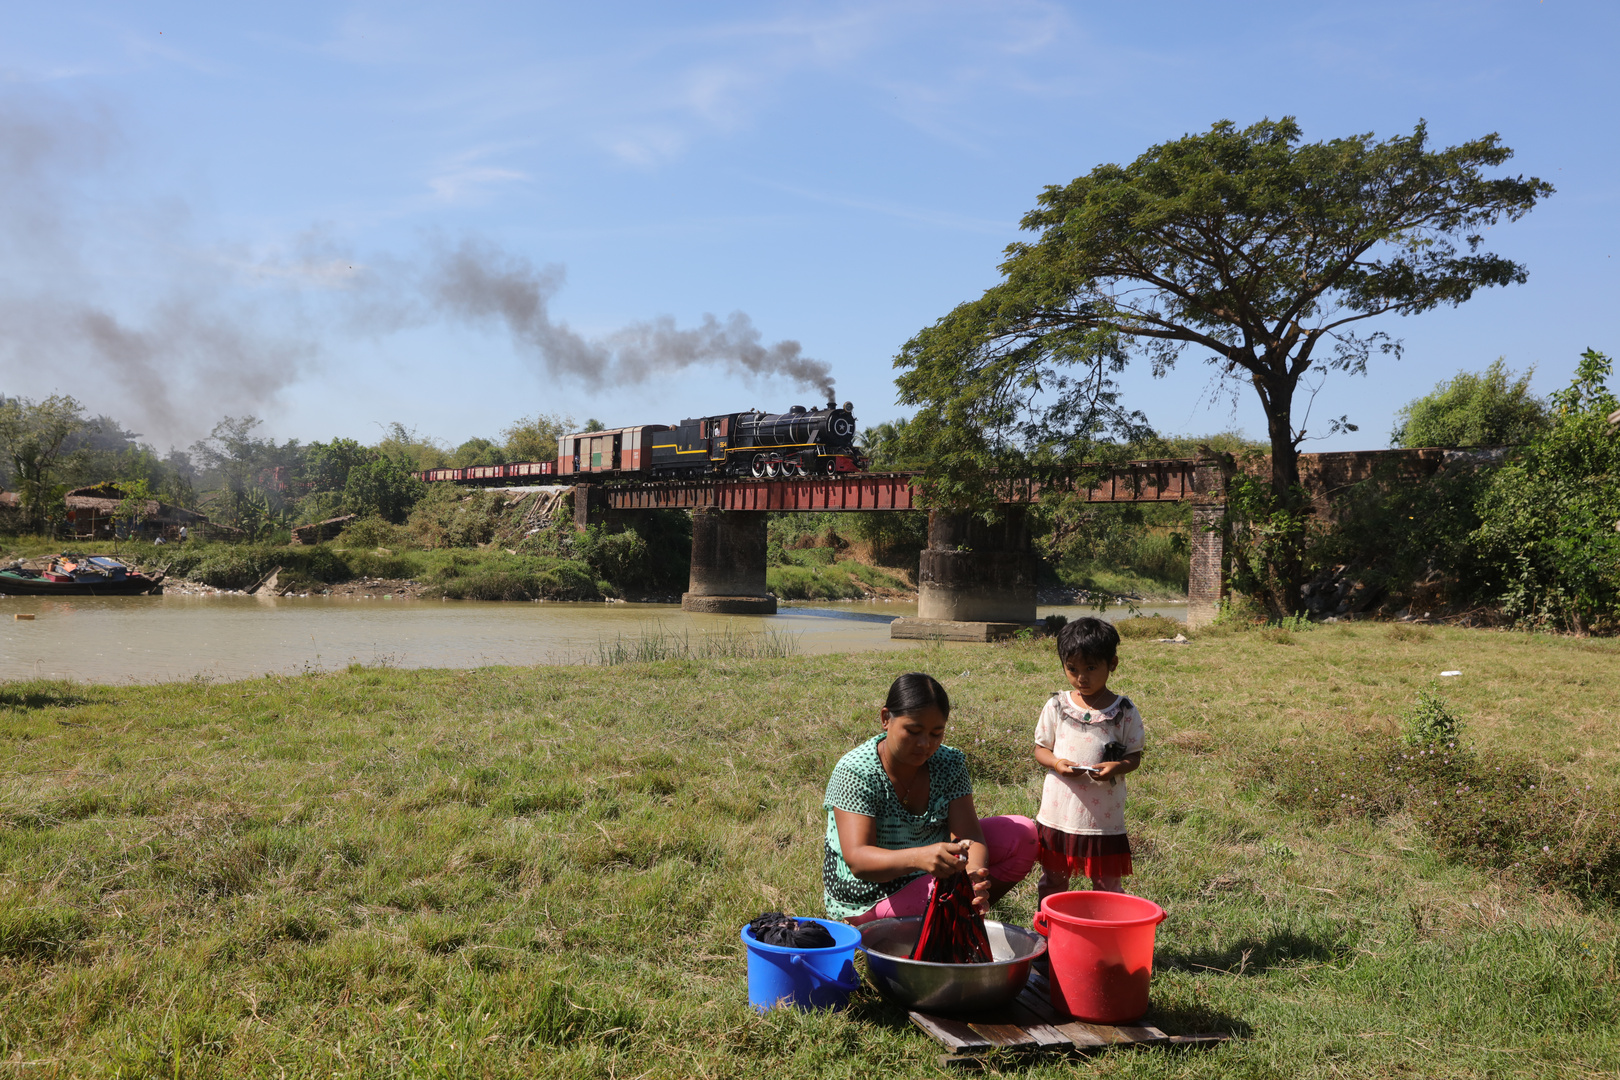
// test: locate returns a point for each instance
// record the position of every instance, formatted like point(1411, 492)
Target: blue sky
point(249, 209)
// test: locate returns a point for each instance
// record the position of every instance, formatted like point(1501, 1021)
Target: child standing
point(1087, 739)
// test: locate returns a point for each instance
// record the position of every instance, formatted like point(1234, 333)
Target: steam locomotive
point(800, 442)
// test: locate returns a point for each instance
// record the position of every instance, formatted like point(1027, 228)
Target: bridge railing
point(1177, 480)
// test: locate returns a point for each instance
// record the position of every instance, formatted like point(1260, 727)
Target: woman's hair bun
point(912, 691)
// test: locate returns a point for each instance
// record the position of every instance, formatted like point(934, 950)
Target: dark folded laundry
point(775, 928)
point(952, 932)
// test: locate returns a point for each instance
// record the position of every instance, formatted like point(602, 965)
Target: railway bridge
point(976, 581)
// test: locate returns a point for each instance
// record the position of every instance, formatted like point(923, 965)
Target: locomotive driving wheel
point(774, 466)
point(758, 466)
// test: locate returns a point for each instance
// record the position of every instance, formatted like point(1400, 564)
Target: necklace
point(888, 770)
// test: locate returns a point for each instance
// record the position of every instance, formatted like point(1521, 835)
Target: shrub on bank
point(1487, 810)
point(517, 578)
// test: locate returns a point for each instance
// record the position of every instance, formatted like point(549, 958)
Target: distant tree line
point(237, 476)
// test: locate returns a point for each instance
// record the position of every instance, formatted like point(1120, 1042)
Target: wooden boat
point(78, 575)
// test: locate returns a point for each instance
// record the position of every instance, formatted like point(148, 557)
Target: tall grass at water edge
point(542, 871)
point(656, 644)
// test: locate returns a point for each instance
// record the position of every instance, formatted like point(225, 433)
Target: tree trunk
point(1287, 561)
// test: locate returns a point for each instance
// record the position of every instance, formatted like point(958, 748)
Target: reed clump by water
point(655, 644)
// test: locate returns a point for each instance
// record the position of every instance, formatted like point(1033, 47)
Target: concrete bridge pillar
point(1206, 580)
point(728, 563)
point(976, 580)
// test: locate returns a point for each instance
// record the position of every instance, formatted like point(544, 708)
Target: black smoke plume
point(113, 300)
point(479, 282)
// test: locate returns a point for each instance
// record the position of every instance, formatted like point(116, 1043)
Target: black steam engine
point(799, 442)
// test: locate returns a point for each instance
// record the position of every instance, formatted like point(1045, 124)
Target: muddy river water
point(159, 638)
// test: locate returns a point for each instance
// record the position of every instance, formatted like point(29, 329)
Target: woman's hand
point(981, 890)
point(944, 860)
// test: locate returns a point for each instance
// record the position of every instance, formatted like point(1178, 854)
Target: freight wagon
point(527, 472)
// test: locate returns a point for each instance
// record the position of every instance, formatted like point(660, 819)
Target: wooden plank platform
point(1031, 1024)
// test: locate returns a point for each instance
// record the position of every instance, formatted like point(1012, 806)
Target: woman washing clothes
point(894, 804)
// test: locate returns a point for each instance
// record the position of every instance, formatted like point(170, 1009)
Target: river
point(160, 638)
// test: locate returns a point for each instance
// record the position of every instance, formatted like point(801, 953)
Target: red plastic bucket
point(1101, 950)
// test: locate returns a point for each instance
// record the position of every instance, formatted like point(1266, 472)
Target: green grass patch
point(542, 871)
point(1110, 580)
point(1150, 626)
point(814, 574)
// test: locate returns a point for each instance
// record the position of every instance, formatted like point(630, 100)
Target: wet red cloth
point(1065, 855)
point(952, 932)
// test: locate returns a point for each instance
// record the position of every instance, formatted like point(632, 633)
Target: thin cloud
point(935, 218)
point(473, 183)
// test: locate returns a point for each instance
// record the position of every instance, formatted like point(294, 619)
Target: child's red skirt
point(1064, 855)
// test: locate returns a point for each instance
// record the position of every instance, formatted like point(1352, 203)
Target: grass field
point(543, 871)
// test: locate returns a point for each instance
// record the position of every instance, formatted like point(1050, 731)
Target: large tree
point(1261, 252)
point(33, 437)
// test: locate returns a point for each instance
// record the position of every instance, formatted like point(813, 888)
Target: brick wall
point(1206, 583)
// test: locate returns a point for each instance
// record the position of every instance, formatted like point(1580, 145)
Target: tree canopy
point(33, 436)
point(1489, 409)
point(1261, 252)
point(534, 438)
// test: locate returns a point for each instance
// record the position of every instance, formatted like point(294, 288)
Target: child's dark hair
point(1091, 639)
point(912, 691)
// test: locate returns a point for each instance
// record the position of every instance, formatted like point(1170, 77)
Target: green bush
point(452, 517)
point(224, 566)
point(375, 565)
point(531, 578)
point(1547, 519)
point(1473, 410)
point(382, 487)
point(240, 566)
point(373, 532)
point(620, 557)
point(1389, 533)
point(1430, 723)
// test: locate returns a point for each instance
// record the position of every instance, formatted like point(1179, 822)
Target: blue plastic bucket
point(807, 978)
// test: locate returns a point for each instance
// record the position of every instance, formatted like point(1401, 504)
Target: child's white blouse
point(1080, 805)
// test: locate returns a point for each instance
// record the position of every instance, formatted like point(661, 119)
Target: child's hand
point(1065, 767)
point(1106, 770)
point(945, 860)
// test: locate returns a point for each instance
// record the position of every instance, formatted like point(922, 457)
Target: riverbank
point(231, 636)
point(378, 872)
